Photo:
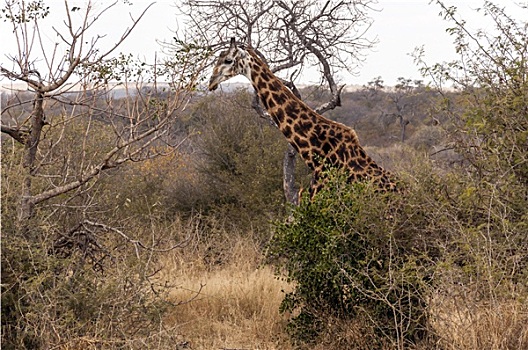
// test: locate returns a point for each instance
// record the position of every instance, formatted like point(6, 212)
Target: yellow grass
point(231, 306)
point(234, 304)
point(465, 323)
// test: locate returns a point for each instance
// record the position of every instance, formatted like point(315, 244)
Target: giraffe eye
point(228, 61)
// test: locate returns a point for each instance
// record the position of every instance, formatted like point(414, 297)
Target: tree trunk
point(403, 126)
point(37, 122)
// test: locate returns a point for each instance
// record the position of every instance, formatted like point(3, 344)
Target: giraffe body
point(319, 141)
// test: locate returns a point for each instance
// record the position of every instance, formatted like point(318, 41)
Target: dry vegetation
point(188, 242)
point(464, 322)
point(217, 291)
point(232, 306)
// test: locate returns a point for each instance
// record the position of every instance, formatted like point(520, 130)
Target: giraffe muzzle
point(213, 83)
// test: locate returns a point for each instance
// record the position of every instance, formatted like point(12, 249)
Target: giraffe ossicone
point(319, 141)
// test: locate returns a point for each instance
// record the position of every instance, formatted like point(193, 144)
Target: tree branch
point(19, 134)
point(137, 243)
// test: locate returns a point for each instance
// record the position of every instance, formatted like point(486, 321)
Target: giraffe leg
point(315, 184)
point(299, 195)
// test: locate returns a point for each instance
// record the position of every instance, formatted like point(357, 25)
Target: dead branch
point(20, 134)
point(137, 243)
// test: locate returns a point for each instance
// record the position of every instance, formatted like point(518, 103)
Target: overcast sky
point(400, 26)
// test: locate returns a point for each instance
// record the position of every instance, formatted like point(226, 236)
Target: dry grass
point(231, 306)
point(234, 305)
point(465, 323)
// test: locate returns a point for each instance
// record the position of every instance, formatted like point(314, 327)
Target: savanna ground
point(209, 282)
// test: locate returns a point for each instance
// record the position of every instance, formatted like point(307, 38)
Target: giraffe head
point(230, 63)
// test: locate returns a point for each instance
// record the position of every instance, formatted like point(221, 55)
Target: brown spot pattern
point(312, 135)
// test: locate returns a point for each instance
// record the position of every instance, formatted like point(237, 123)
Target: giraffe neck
point(283, 106)
point(304, 129)
point(316, 139)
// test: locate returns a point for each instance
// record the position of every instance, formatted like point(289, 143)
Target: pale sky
point(400, 26)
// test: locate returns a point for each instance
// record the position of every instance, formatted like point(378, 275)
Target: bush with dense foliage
point(353, 253)
point(399, 266)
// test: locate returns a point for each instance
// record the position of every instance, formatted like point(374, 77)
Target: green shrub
point(486, 202)
point(352, 255)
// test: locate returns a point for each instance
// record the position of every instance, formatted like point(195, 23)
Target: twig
point(137, 243)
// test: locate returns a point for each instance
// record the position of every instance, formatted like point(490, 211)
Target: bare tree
point(404, 102)
point(399, 104)
point(78, 114)
point(73, 83)
point(293, 36)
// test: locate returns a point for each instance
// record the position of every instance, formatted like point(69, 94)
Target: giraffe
point(319, 141)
